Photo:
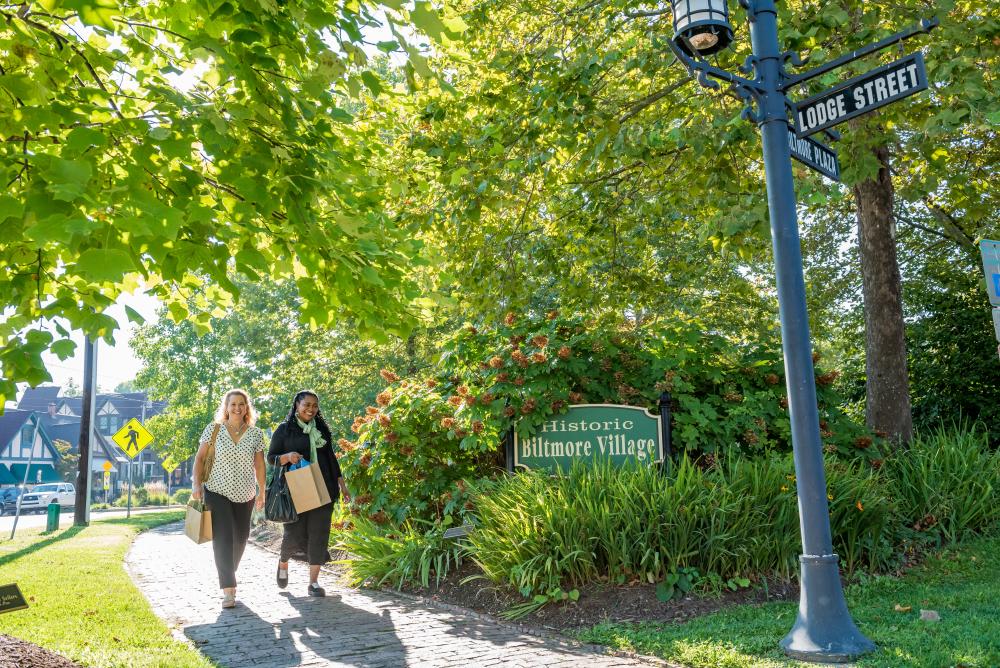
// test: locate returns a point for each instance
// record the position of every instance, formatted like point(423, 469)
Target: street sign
point(991, 268)
point(168, 465)
point(107, 466)
point(861, 94)
point(107, 480)
point(813, 154)
point(132, 438)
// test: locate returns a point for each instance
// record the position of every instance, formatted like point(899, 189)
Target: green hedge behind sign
point(592, 432)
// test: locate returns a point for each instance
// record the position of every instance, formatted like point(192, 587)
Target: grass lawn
point(81, 601)
point(960, 583)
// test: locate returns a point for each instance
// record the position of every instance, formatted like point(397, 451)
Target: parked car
point(8, 499)
point(39, 497)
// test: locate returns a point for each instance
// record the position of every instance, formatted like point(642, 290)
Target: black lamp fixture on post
point(823, 630)
point(702, 27)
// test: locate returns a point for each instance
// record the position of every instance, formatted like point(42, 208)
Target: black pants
point(309, 535)
point(230, 531)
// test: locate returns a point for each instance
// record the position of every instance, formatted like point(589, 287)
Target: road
point(65, 519)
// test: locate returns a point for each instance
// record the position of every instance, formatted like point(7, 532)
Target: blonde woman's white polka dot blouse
point(232, 473)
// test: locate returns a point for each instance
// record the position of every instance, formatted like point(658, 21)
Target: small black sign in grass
point(11, 598)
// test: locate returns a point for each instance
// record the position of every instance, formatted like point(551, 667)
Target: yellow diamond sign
point(132, 438)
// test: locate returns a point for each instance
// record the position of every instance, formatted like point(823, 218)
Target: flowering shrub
point(425, 436)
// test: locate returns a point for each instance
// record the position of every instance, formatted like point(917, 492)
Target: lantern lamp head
point(701, 27)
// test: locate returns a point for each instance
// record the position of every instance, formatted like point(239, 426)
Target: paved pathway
point(282, 628)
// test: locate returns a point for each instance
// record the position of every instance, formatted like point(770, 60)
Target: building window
point(107, 424)
point(27, 436)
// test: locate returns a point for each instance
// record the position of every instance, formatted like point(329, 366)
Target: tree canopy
point(164, 144)
point(535, 155)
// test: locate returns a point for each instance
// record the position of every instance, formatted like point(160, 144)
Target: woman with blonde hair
point(234, 481)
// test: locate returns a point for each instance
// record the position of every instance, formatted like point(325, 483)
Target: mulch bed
point(599, 602)
point(17, 653)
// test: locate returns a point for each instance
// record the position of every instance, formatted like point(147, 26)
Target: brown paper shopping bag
point(308, 488)
point(198, 522)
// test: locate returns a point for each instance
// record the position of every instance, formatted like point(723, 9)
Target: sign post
point(990, 250)
point(823, 629)
point(169, 466)
point(132, 438)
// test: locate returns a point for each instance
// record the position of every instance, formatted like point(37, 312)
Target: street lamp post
point(823, 630)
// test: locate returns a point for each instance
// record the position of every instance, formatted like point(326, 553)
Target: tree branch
point(653, 98)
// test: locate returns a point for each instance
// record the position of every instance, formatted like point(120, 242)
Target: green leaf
point(95, 12)
point(664, 592)
point(81, 139)
point(101, 264)
point(426, 18)
point(372, 82)
point(371, 276)
point(10, 208)
point(63, 349)
point(67, 179)
point(133, 315)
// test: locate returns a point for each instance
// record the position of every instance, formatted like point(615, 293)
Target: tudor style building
point(61, 416)
point(27, 453)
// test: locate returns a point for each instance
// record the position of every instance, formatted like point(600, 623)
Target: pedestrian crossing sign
point(132, 438)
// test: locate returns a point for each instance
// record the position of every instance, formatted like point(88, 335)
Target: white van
point(40, 496)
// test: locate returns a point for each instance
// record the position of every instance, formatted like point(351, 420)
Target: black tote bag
point(278, 506)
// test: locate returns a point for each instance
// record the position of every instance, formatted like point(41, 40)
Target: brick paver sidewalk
point(278, 628)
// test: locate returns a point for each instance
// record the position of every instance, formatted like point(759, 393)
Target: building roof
point(75, 404)
point(69, 431)
point(39, 398)
point(10, 423)
point(129, 405)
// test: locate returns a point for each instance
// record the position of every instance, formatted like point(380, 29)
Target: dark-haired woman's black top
point(289, 437)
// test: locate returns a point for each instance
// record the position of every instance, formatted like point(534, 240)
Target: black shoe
point(282, 581)
point(316, 590)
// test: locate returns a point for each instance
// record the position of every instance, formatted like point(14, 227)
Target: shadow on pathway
point(349, 628)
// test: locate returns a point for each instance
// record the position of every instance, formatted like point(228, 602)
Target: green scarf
point(316, 439)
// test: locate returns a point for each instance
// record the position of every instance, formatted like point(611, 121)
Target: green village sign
point(590, 433)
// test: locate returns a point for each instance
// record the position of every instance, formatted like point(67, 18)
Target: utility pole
point(24, 483)
point(81, 512)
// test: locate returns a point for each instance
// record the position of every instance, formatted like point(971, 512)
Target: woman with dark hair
point(305, 435)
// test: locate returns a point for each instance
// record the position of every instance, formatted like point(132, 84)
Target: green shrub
point(156, 500)
point(182, 496)
point(738, 518)
point(947, 483)
point(426, 435)
point(397, 555)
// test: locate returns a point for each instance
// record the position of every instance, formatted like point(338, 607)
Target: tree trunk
point(887, 403)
